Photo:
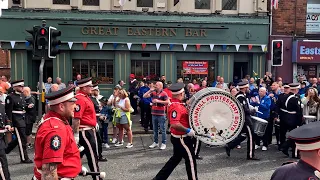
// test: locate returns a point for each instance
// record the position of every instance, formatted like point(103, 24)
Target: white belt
point(179, 136)
point(85, 127)
point(98, 114)
point(18, 112)
point(290, 112)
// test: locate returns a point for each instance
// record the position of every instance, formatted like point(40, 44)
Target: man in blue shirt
point(146, 103)
point(263, 103)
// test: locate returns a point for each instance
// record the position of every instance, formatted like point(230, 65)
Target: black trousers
point(99, 141)
point(267, 137)
point(147, 117)
point(250, 140)
point(286, 144)
point(182, 148)
point(277, 132)
point(134, 105)
point(89, 142)
point(21, 141)
point(197, 146)
point(4, 170)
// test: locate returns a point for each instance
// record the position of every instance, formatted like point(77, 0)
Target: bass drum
point(216, 116)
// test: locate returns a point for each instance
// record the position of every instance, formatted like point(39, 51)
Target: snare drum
point(217, 114)
point(309, 119)
point(259, 125)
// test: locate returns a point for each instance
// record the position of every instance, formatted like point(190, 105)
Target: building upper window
point(91, 2)
point(65, 2)
point(202, 4)
point(144, 3)
point(229, 4)
point(101, 71)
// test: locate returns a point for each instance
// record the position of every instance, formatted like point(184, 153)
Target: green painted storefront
point(109, 28)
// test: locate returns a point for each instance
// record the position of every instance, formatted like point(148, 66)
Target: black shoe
point(168, 132)
point(102, 159)
point(27, 161)
point(146, 130)
point(199, 157)
point(285, 152)
point(228, 150)
point(253, 158)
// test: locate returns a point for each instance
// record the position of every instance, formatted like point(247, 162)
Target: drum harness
point(286, 104)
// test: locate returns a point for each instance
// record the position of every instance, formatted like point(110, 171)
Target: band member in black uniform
point(307, 139)
point(247, 128)
point(181, 136)
point(281, 105)
point(292, 118)
point(95, 101)
point(5, 125)
point(15, 110)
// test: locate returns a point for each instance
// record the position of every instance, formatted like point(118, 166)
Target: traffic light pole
point(40, 83)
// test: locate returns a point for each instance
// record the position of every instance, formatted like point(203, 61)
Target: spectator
point(5, 79)
point(196, 85)
point(204, 84)
point(78, 78)
point(61, 84)
point(120, 84)
point(30, 116)
point(48, 84)
point(3, 96)
point(4, 86)
point(252, 85)
point(214, 84)
point(146, 106)
point(224, 85)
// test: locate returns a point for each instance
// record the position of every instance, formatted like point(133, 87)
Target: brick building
point(297, 24)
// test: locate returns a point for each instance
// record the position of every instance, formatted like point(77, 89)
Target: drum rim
point(210, 91)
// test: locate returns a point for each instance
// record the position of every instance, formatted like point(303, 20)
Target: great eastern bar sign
point(137, 31)
point(306, 52)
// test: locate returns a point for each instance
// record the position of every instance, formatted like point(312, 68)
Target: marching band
point(60, 143)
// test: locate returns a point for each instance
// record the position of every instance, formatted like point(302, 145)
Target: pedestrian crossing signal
point(277, 53)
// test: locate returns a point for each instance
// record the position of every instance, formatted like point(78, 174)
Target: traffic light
point(53, 42)
point(277, 53)
point(33, 39)
point(42, 38)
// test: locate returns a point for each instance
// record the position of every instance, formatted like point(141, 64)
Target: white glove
point(97, 127)
point(256, 108)
point(8, 127)
point(76, 137)
point(190, 132)
point(251, 107)
point(84, 170)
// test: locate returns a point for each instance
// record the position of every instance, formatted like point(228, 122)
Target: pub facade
point(109, 46)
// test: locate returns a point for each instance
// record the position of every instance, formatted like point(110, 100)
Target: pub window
point(145, 3)
point(64, 2)
point(145, 69)
point(91, 2)
point(199, 74)
point(229, 4)
point(202, 4)
point(101, 71)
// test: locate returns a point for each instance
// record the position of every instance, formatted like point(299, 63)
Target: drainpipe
point(270, 33)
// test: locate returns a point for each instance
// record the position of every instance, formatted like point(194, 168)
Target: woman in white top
point(113, 99)
point(122, 118)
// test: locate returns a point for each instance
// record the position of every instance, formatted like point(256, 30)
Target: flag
point(122, 2)
point(263, 48)
point(12, 43)
point(129, 45)
point(237, 47)
point(198, 47)
point(27, 44)
point(143, 45)
point(70, 44)
point(175, 2)
point(115, 45)
point(84, 44)
point(158, 46)
point(171, 46)
point(211, 46)
point(250, 47)
point(224, 47)
point(101, 45)
point(184, 46)
point(275, 4)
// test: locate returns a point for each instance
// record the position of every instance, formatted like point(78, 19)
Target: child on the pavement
point(105, 117)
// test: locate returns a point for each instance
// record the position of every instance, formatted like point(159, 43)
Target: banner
point(195, 67)
point(70, 44)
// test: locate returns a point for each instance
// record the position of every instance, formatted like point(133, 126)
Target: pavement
point(142, 163)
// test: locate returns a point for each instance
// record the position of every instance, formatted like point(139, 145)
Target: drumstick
point(100, 174)
point(205, 135)
point(81, 148)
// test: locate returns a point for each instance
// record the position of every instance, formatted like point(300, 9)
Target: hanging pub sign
point(195, 67)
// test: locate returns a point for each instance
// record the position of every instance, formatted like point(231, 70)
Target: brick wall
point(4, 63)
point(284, 20)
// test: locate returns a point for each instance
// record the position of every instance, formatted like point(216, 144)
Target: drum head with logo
point(216, 116)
